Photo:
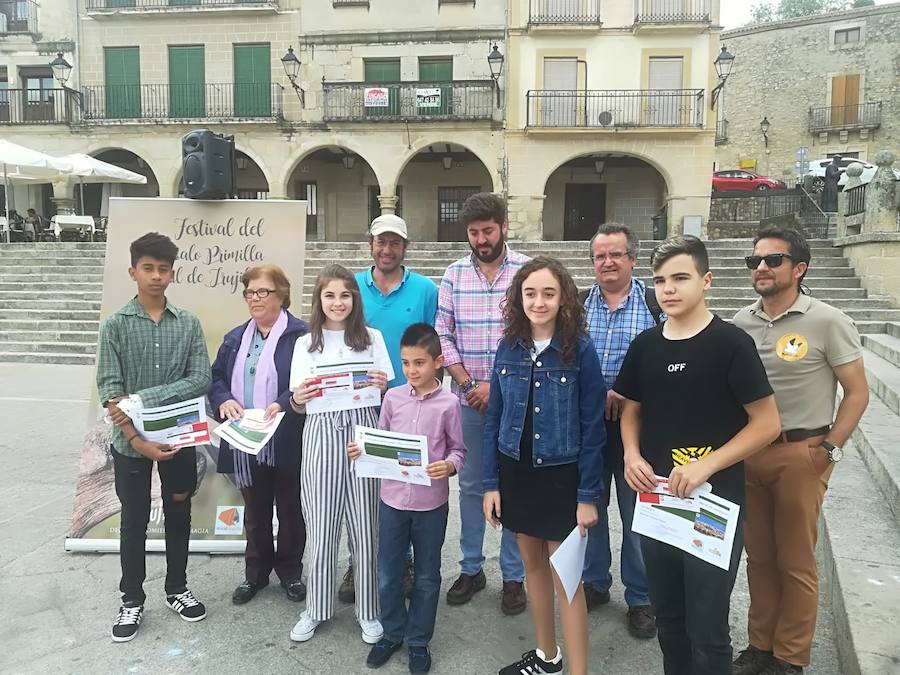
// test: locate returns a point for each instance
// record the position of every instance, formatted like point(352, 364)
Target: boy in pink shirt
point(415, 514)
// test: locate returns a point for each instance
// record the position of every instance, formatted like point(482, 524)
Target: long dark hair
point(569, 321)
point(356, 336)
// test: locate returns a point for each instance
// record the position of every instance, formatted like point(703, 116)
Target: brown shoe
point(594, 597)
point(465, 587)
point(513, 600)
point(347, 592)
point(409, 578)
point(641, 622)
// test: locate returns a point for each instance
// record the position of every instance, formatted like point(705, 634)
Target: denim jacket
point(569, 403)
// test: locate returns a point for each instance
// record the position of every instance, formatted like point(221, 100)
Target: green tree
point(863, 3)
point(774, 10)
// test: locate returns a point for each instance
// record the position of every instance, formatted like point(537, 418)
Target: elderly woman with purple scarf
point(252, 370)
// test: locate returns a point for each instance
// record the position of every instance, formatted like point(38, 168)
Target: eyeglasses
point(772, 260)
point(615, 256)
point(261, 293)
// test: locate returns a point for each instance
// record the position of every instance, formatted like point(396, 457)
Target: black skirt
point(538, 501)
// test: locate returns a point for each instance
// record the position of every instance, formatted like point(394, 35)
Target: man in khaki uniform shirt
point(807, 347)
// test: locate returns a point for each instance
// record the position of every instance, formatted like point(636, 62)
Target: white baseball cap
point(388, 222)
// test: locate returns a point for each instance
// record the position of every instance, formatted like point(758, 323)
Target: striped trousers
point(331, 494)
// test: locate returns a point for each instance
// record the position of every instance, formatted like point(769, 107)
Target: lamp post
point(292, 69)
point(62, 69)
point(764, 128)
point(723, 63)
point(495, 61)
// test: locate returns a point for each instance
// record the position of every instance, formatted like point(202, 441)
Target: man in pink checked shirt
point(415, 514)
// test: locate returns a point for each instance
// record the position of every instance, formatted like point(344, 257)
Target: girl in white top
point(330, 493)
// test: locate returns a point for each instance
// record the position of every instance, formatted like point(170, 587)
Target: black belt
point(794, 435)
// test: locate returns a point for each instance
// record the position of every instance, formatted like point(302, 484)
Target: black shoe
point(381, 652)
point(779, 667)
point(245, 592)
point(419, 660)
point(409, 578)
point(465, 587)
point(186, 606)
point(347, 592)
point(594, 597)
point(752, 661)
point(127, 622)
point(295, 590)
point(532, 664)
point(641, 622)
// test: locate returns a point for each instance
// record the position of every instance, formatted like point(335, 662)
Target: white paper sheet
point(568, 561)
point(702, 525)
point(391, 455)
point(343, 386)
point(177, 424)
point(250, 433)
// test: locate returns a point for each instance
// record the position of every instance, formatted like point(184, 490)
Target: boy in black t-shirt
point(698, 403)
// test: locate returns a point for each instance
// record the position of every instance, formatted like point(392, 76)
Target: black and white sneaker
point(186, 606)
point(534, 663)
point(126, 624)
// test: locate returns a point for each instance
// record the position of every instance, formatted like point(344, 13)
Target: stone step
point(43, 304)
point(49, 336)
point(886, 346)
point(22, 247)
point(884, 379)
point(72, 270)
point(25, 292)
point(21, 347)
point(859, 545)
point(48, 288)
point(61, 358)
point(892, 328)
point(51, 314)
point(52, 277)
point(38, 326)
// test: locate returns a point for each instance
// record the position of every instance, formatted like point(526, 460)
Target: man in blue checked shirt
point(618, 307)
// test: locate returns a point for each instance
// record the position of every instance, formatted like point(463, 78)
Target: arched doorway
point(433, 186)
point(341, 192)
point(599, 187)
point(96, 195)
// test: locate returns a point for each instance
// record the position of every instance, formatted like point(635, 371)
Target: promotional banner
point(376, 97)
point(217, 242)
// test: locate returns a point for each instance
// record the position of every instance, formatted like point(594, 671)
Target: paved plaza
point(57, 607)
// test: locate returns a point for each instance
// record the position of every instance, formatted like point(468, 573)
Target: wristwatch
point(835, 454)
point(469, 385)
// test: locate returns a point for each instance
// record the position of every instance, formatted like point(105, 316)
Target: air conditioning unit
point(605, 118)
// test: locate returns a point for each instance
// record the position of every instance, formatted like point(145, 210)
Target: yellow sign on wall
point(748, 164)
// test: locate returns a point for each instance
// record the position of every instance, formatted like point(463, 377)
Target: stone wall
point(784, 68)
point(876, 259)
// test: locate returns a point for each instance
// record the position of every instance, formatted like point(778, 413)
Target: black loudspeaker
point(207, 161)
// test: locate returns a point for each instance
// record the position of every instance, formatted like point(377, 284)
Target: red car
point(747, 181)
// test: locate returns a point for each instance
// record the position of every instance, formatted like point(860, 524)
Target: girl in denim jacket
point(543, 442)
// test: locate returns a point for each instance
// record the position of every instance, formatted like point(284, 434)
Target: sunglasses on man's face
point(772, 260)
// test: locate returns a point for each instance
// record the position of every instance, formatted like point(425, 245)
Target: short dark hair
point(422, 335)
point(483, 206)
point(798, 247)
point(633, 246)
point(154, 245)
point(686, 244)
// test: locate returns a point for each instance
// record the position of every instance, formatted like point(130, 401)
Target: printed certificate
point(177, 424)
point(343, 385)
point(702, 525)
point(391, 455)
point(250, 433)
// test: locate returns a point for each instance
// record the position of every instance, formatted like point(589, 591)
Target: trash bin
point(660, 229)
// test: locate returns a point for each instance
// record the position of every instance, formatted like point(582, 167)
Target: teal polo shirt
point(413, 301)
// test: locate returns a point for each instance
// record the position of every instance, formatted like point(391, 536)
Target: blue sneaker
point(381, 652)
point(419, 660)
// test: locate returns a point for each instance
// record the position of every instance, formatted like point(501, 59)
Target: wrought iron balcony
point(616, 109)
point(562, 12)
point(103, 6)
point(860, 116)
point(37, 106)
point(721, 132)
point(410, 101)
point(18, 16)
point(161, 102)
point(671, 11)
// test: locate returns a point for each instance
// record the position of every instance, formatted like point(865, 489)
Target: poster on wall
point(376, 97)
point(217, 241)
point(428, 98)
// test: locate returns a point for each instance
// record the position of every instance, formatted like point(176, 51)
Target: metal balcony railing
point(616, 109)
point(856, 200)
point(18, 16)
point(36, 106)
point(422, 101)
point(671, 11)
point(860, 116)
point(721, 132)
point(157, 102)
point(556, 12)
point(98, 5)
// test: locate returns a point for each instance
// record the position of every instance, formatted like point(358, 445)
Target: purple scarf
point(265, 390)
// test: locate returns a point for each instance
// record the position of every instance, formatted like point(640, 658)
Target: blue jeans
point(425, 530)
point(598, 558)
point(471, 511)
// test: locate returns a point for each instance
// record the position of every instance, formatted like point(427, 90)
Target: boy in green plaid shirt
point(153, 353)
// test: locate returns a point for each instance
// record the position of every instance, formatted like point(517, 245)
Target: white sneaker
point(372, 631)
point(305, 628)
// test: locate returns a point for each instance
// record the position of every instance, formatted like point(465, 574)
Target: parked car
point(747, 181)
point(817, 169)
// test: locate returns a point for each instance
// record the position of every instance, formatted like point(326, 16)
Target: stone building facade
point(827, 84)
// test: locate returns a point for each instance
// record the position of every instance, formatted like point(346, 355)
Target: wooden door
point(585, 210)
point(844, 99)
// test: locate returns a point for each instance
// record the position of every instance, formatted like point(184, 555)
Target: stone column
point(881, 196)
point(388, 203)
point(526, 216)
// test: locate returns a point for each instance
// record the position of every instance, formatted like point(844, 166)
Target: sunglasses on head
point(772, 260)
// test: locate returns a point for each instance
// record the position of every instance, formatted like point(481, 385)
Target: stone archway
point(96, 196)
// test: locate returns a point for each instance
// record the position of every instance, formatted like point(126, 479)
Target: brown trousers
point(786, 483)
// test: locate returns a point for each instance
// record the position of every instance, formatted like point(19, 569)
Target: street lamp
point(495, 61)
point(61, 69)
point(292, 69)
point(723, 63)
point(764, 128)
